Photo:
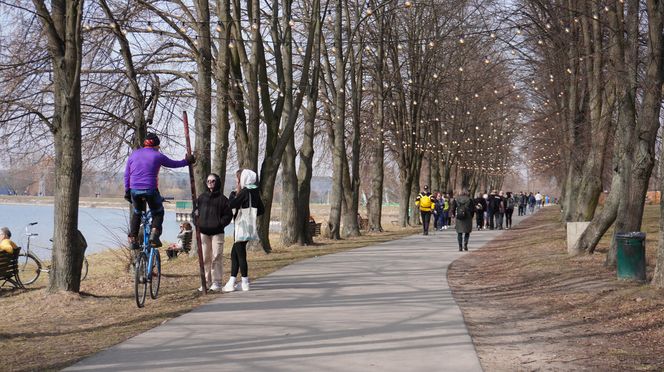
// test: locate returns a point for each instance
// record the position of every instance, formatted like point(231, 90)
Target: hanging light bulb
point(149, 28)
point(219, 29)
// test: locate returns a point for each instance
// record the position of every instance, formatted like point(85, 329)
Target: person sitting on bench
point(6, 244)
point(184, 241)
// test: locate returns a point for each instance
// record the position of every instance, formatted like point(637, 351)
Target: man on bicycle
point(141, 186)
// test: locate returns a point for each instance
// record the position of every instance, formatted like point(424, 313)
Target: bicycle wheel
point(156, 274)
point(84, 269)
point(140, 280)
point(29, 268)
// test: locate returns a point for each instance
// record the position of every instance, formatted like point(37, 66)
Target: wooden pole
point(192, 180)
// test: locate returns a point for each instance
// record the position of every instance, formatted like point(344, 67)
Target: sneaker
point(154, 239)
point(245, 284)
point(215, 287)
point(230, 286)
point(200, 289)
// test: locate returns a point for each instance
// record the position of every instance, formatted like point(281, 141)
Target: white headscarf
point(248, 179)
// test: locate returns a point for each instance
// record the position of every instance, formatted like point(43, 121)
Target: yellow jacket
point(7, 245)
point(425, 202)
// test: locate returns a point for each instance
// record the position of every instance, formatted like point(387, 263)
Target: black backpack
point(462, 210)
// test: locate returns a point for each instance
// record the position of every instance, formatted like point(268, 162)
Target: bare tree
point(62, 25)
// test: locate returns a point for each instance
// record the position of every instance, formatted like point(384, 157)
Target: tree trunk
point(222, 82)
point(307, 149)
point(377, 146)
point(642, 153)
point(203, 112)
point(339, 149)
point(290, 229)
point(62, 25)
point(623, 139)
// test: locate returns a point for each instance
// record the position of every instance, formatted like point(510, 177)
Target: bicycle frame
point(27, 246)
point(148, 249)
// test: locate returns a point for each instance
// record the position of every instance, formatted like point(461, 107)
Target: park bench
point(9, 269)
point(314, 228)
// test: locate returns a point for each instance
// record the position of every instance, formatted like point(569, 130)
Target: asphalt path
point(386, 307)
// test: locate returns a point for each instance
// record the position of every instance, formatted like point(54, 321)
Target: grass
point(43, 331)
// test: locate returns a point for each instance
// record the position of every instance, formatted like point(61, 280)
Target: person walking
point(438, 212)
point(486, 210)
point(501, 211)
point(245, 196)
point(480, 207)
point(463, 210)
point(509, 209)
point(425, 202)
point(213, 213)
point(538, 200)
point(446, 212)
point(140, 181)
point(531, 202)
point(521, 201)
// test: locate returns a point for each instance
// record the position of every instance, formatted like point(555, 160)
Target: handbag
point(245, 224)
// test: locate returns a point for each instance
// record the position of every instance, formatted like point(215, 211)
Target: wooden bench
point(314, 228)
point(9, 269)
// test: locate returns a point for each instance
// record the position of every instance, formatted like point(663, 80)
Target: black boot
point(154, 238)
point(133, 245)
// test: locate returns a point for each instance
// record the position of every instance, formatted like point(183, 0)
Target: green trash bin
point(631, 255)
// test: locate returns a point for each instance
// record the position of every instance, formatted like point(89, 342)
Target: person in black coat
point(480, 207)
point(245, 196)
point(212, 215)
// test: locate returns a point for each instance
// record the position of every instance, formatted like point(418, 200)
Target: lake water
point(103, 228)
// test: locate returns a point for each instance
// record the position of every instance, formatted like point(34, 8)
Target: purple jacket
point(143, 168)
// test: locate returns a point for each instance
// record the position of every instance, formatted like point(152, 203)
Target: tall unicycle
point(140, 280)
point(156, 274)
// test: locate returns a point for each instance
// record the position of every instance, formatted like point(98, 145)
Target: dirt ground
point(529, 307)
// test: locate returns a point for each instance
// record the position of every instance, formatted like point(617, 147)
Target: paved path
point(386, 307)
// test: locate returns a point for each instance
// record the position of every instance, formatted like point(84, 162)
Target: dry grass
point(45, 331)
point(529, 306)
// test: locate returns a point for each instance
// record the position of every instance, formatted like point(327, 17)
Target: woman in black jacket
point(245, 191)
point(213, 215)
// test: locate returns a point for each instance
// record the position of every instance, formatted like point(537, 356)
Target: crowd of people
point(489, 211)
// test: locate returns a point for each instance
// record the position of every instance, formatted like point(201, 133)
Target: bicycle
point(30, 266)
point(148, 265)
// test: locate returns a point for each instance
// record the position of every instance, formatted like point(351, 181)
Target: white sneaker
point(215, 287)
point(245, 284)
point(200, 289)
point(230, 285)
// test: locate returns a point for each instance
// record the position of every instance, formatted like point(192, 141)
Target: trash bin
point(631, 255)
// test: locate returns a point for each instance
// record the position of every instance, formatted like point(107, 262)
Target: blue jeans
point(151, 197)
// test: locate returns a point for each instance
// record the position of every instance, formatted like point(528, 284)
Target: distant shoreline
point(86, 202)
